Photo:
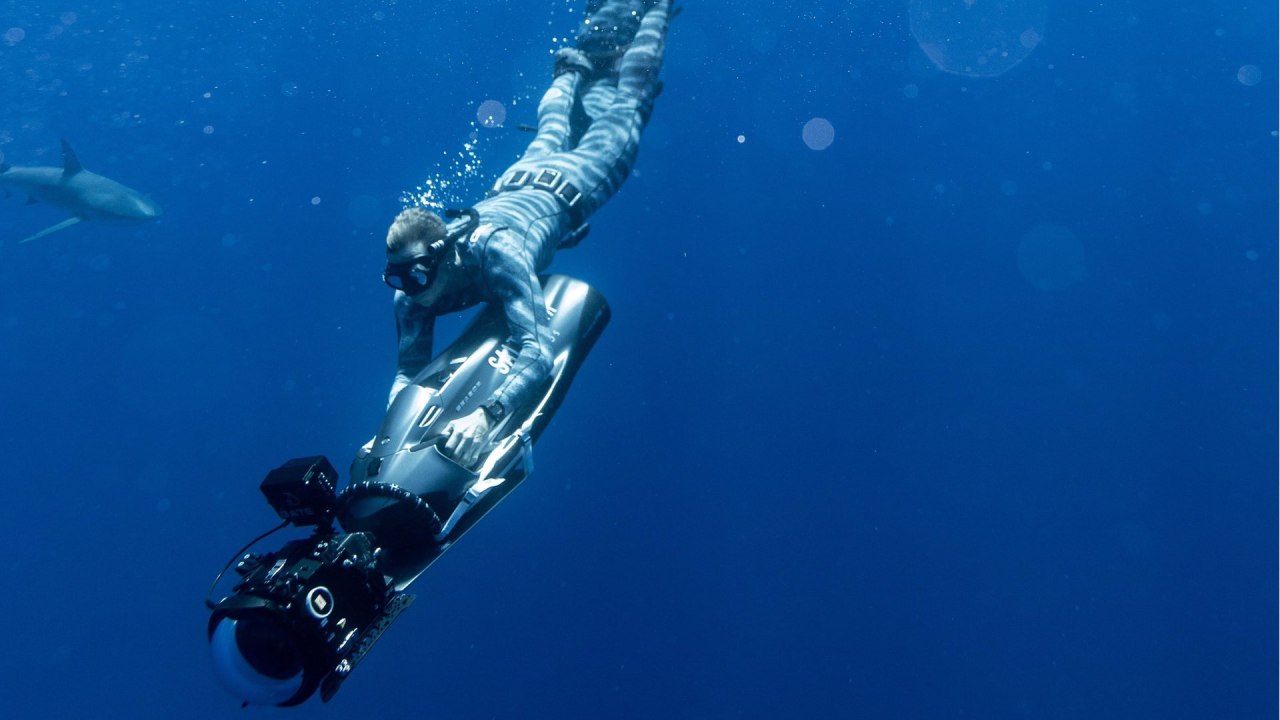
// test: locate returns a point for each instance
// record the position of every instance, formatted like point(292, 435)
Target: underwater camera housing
point(302, 617)
point(305, 614)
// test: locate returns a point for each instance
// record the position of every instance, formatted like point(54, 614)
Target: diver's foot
point(572, 60)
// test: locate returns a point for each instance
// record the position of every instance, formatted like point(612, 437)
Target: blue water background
point(838, 454)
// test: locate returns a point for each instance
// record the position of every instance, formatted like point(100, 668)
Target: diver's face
point(424, 278)
point(413, 271)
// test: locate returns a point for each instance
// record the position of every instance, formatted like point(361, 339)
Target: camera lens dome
point(257, 659)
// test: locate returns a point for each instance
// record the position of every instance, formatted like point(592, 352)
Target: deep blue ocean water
point(934, 389)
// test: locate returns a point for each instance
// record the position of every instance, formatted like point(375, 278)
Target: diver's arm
point(414, 325)
point(511, 278)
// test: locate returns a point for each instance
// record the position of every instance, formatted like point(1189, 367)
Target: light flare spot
point(1249, 75)
point(491, 114)
point(977, 39)
point(1051, 258)
point(818, 134)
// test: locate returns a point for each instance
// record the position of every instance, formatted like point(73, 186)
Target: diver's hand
point(466, 437)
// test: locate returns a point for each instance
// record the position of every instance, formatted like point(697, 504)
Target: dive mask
point(412, 276)
point(415, 275)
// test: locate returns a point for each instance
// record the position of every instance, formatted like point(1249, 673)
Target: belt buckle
point(517, 179)
point(568, 193)
point(548, 179)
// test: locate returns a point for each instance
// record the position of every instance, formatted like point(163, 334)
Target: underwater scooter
point(302, 617)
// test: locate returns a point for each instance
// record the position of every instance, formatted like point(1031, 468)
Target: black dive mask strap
point(468, 227)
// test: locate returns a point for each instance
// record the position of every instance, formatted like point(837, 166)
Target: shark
point(86, 195)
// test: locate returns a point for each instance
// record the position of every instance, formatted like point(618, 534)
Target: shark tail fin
point(60, 226)
point(70, 163)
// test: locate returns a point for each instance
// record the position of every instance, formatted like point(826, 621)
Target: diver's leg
point(638, 70)
point(556, 107)
point(607, 29)
point(597, 98)
point(603, 160)
point(604, 156)
point(637, 77)
point(619, 126)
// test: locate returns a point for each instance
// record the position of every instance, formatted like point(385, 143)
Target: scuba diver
point(588, 134)
point(460, 426)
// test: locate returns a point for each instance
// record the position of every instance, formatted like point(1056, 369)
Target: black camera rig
point(302, 617)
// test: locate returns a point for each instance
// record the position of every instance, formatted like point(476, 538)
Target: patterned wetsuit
point(587, 139)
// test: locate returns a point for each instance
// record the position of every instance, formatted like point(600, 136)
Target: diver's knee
point(572, 60)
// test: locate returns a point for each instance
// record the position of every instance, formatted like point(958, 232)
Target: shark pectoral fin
point(64, 224)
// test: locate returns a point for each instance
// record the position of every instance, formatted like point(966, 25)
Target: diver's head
point(418, 250)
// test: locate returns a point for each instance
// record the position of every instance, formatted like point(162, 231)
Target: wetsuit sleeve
point(414, 325)
point(511, 279)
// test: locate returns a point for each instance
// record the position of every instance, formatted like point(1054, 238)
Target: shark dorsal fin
point(70, 163)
